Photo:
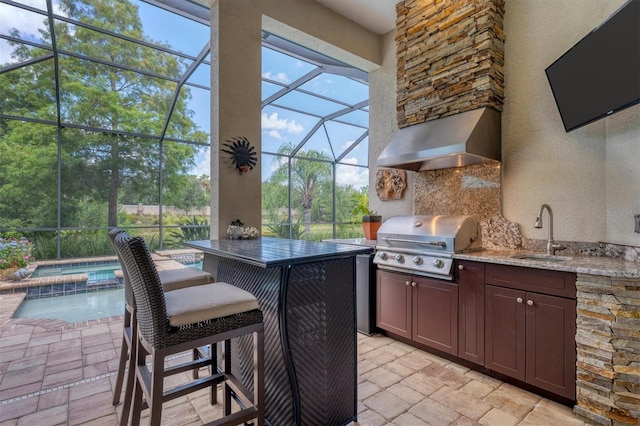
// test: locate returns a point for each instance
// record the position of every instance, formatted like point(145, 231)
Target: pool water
point(75, 307)
point(95, 272)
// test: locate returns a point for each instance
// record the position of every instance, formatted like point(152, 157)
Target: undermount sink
point(542, 257)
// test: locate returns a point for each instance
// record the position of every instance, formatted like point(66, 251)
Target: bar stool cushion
point(192, 305)
point(174, 279)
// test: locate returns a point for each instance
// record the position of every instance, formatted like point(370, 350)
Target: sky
point(279, 125)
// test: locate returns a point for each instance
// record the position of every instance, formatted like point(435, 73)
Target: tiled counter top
point(604, 266)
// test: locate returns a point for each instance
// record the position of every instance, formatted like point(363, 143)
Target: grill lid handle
point(426, 243)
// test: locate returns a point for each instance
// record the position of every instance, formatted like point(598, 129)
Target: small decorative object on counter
point(250, 233)
point(235, 230)
point(243, 155)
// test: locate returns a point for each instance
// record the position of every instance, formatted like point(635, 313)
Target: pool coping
point(77, 283)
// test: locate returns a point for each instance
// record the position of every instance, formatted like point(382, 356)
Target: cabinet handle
point(461, 267)
point(530, 302)
point(413, 284)
point(407, 282)
point(519, 300)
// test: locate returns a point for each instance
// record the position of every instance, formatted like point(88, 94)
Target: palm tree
point(309, 169)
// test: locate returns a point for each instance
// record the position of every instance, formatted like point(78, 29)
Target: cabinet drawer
point(556, 283)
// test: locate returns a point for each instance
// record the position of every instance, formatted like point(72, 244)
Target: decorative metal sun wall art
point(243, 156)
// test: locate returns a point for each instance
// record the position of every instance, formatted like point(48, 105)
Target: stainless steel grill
point(424, 245)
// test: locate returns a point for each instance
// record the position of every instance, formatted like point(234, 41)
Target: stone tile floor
point(55, 373)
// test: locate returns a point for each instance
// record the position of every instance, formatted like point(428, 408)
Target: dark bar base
point(310, 339)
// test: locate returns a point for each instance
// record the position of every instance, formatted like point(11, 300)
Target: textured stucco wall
point(581, 174)
point(382, 126)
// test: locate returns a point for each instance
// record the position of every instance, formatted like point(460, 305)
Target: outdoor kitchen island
point(306, 293)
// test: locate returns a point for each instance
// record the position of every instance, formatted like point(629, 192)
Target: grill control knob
point(438, 263)
point(400, 258)
point(382, 255)
point(417, 260)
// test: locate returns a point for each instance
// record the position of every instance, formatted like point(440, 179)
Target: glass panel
point(151, 236)
point(15, 53)
point(283, 68)
point(31, 25)
point(202, 75)
point(312, 192)
point(308, 103)
point(28, 176)
point(45, 244)
point(186, 192)
point(131, 16)
point(85, 243)
point(349, 230)
point(318, 145)
point(105, 97)
point(342, 136)
point(357, 117)
point(191, 117)
point(337, 87)
point(282, 127)
point(185, 35)
point(269, 89)
point(358, 155)
point(105, 176)
point(351, 181)
point(93, 44)
point(39, 4)
point(275, 194)
point(32, 92)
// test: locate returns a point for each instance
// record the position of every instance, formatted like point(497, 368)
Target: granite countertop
point(267, 252)
point(605, 266)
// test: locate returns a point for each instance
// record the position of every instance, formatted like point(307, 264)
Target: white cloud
point(272, 122)
point(28, 23)
point(274, 133)
point(356, 177)
point(203, 166)
point(281, 77)
point(350, 160)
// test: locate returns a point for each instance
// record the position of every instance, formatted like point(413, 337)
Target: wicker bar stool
point(185, 319)
point(171, 280)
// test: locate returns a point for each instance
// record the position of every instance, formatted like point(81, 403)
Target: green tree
point(309, 170)
point(97, 166)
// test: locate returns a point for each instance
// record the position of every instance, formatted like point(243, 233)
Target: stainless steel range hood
point(463, 139)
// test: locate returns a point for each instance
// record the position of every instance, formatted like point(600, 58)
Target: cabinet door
point(435, 314)
point(393, 305)
point(505, 331)
point(551, 344)
point(471, 311)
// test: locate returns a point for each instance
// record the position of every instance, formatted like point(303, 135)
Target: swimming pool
point(95, 272)
point(75, 307)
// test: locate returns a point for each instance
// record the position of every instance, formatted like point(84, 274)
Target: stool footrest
point(241, 416)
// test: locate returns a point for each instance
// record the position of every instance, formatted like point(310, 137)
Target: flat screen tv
point(600, 75)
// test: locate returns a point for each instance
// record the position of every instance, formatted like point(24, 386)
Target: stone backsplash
point(450, 58)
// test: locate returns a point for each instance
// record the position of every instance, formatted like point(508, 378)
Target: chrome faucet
point(551, 246)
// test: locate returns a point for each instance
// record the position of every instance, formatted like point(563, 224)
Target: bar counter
point(306, 292)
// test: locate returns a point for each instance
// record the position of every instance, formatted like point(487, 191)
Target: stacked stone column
point(608, 344)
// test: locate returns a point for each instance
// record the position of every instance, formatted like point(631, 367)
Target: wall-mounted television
point(600, 75)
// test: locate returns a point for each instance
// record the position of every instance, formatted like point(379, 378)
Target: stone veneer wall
point(450, 58)
point(608, 343)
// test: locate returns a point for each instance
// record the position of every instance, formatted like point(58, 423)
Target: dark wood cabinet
point(471, 311)
point(393, 305)
point(528, 335)
point(422, 309)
